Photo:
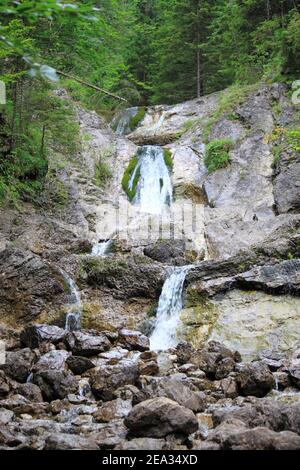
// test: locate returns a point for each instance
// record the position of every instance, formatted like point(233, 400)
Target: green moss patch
point(168, 158)
point(217, 154)
point(135, 120)
point(131, 192)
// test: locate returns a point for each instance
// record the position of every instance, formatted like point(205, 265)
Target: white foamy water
point(122, 123)
point(73, 317)
point(170, 305)
point(102, 249)
point(154, 191)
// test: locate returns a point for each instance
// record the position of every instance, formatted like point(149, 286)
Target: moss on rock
point(131, 192)
point(137, 119)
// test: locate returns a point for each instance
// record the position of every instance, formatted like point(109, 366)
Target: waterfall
point(169, 308)
point(154, 191)
point(121, 124)
point(73, 317)
point(102, 249)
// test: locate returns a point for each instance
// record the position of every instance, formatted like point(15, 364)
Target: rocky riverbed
point(99, 390)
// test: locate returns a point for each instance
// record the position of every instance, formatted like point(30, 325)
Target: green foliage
point(135, 120)
point(103, 173)
point(217, 154)
point(168, 158)
point(131, 192)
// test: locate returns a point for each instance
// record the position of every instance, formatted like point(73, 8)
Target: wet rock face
point(28, 286)
point(160, 417)
point(133, 277)
point(166, 251)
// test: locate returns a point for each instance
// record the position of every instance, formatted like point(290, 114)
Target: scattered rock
point(79, 365)
point(19, 363)
point(254, 379)
point(158, 417)
point(34, 335)
point(84, 344)
point(134, 340)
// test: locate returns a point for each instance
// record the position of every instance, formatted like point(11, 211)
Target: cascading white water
point(121, 123)
point(168, 312)
point(73, 317)
point(154, 191)
point(101, 249)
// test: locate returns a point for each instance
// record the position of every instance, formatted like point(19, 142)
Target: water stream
point(154, 191)
point(74, 307)
point(170, 305)
point(102, 249)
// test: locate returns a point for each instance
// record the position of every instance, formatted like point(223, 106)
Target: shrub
point(168, 158)
point(103, 173)
point(217, 154)
point(135, 120)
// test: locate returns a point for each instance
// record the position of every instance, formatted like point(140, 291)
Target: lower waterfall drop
point(168, 311)
point(102, 249)
point(154, 192)
point(73, 317)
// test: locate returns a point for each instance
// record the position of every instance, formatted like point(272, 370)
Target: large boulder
point(133, 340)
point(106, 379)
point(18, 364)
point(53, 360)
point(173, 388)
point(159, 417)
point(84, 344)
point(34, 335)
point(28, 286)
point(126, 278)
point(166, 251)
point(254, 379)
point(79, 365)
point(262, 438)
point(55, 384)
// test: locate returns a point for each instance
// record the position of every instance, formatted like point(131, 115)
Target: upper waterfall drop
point(121, 123)
point(154, 191)
point(168, 311)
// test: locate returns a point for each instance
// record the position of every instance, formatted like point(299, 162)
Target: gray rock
point(262, 438)
point(107, 379)
point(166, 251)
point(29, 287)
point(134, 340)
point(34, 335)
point(173, 389)
point(70, 442)
point(254, 379)
point(113, 410)
point(84, 344)
point(142, 443)
point(30, 391)
point(53, 360)
point(19, 363)
point(55, 384)
point(79, 365)
point(159, 417)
